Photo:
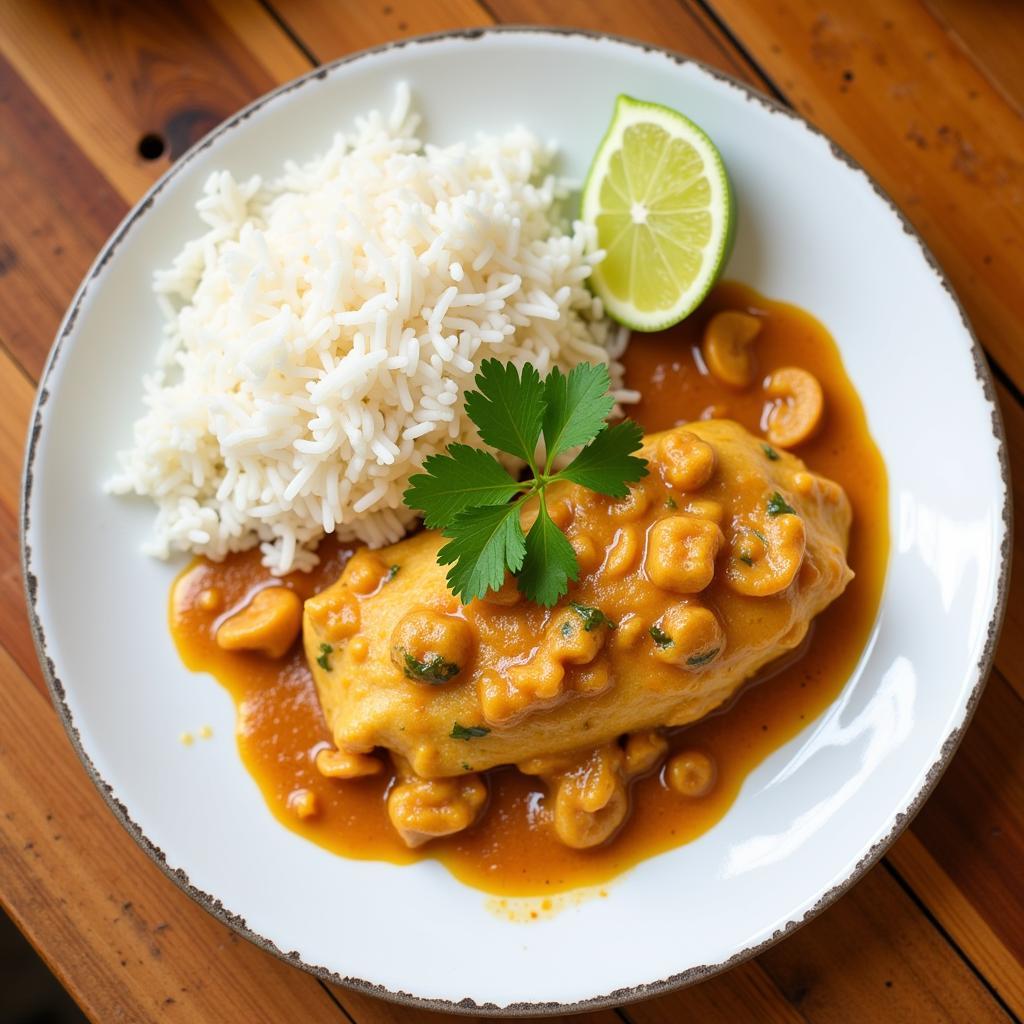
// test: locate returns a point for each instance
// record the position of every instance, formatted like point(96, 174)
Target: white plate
point(814, 230)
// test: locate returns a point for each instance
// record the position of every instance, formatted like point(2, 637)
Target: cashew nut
point(625, 550)
point(643, 752)
point(588, 554)
point(688, 635)
point(591, 801)
point(364, 572)
point(303, 803)
point(767, 552)
point(425, 809)
point(340, 764)
point(797, 406)
point(728, 347)
point(681, 552)
point(591, 795)
point(686, 460)
point(269, 623)
point(691, 773)
point(336, 612)
point(428, 647)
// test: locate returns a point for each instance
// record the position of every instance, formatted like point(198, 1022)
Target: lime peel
point(660, 198)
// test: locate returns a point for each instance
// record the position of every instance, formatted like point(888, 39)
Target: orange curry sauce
point(280, 727)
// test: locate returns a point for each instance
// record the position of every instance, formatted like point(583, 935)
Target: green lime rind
point(660, 199)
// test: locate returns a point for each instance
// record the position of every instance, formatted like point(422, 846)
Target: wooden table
point(98, 98)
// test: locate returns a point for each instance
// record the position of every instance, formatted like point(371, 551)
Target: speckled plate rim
point(211, 903)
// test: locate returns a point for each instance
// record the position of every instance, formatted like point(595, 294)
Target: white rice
point(322, 332)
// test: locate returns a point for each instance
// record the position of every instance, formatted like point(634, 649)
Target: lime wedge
point(658, 194)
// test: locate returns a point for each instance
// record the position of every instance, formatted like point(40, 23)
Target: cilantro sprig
point(470, 496)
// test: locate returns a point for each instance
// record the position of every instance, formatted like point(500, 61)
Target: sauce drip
point(280, 727)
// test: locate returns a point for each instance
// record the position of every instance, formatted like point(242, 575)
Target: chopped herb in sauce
point(671, 503)
point(703, 659)
point(770, 452)
point(660, 637)
point(434, 670)
point(468, 732)
point(567, 630)
point(592, 617)
point(777, 505)
point(326, 650)
point(746, 558)
point(760, 536)
point(466, 767)
point(392, 573)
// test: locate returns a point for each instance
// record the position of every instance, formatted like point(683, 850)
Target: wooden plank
point(111, 74)
point(744, 993)
point(888, 83)
point(682, 27)
point(875, 957)
point(328, 30)
point(58, 211)
point(259, 29)
point(15, 410)
point(993, 35)
point(973, 829)
point(118, 934)
point(910, 858)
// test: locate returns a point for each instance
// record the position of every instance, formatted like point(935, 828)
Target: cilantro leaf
point(476, 503)
point(550, 561)
point(575, 406)
point(434, 670)
point(606, 465)
point(593, 618)
point(468, 732)
point(777, 505)
point(483, 542)
point(463, 478)
point(660, 637)
point(508, 408)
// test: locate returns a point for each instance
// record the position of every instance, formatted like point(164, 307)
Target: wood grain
point(887, 82)
point(111, 74)
point(328, 30)
point(974, 827)
point(871, 959)
point(18, 393)
point(992, 33)
point(912, 862)
point(58, 211)
point(64, 182)
point(744, 993)
point(677, 26)
point(123, 939)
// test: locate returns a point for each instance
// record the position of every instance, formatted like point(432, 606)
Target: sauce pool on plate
point(510, 852)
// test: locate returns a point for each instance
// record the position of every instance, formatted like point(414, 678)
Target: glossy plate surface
point(812, 230)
